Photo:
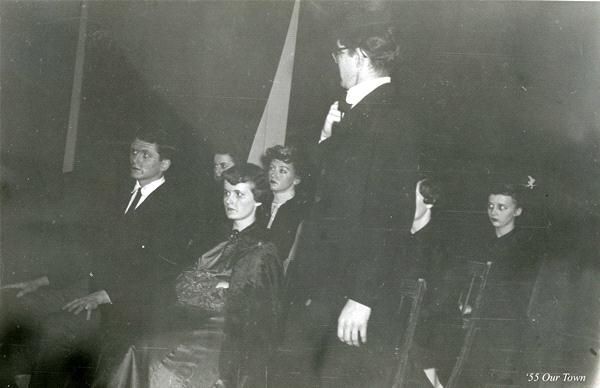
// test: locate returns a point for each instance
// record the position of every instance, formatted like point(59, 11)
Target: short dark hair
point(164, 144)
point(250, 173)
point(376, 40)
point(231, 154)
point(507, 189)
point(431, 191)
point(287, 154)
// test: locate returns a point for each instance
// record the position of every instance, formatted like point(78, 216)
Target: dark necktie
point(343, 106)
point(136, 199)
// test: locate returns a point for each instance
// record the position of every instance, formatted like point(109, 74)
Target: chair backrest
point(472, 297)
point(413, 290)
point(470, 301)
point(294, 248)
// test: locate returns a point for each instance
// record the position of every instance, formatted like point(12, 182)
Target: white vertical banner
point(71, 141)
point(272, 126)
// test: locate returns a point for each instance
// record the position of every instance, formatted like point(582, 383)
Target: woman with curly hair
point(286, 171)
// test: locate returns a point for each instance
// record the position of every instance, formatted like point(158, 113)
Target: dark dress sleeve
point(252, 317)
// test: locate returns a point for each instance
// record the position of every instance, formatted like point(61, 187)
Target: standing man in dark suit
point(367, 165)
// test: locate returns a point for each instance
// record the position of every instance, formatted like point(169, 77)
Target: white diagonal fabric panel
point(71, 141)
point(272, 126)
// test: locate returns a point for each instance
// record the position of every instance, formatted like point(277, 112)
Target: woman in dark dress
point(428, 252)
point(505, 330)
point(234, 291)
point(216, 220)
point(286, 170)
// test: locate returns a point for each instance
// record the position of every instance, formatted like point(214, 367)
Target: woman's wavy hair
point(250, 173)
point(287, 154)
point(507, 189)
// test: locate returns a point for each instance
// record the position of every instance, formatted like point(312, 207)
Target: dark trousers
point(313, 356)
point(40, 339)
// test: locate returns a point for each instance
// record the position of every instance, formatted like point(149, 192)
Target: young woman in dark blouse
point(286, 170)
point(506, 331)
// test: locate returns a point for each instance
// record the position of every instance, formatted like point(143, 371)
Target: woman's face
point(222, 162)
point(239, 201)
point(502, 211)
point(282, 176)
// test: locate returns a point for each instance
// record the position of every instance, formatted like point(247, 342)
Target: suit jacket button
point(308, 302)
point(143, 246)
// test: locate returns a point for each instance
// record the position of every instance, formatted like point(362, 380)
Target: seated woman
point(428, 256)
point(218, 224)
point(510, 248)
point(505, 329)
point(235, 291)
point(286, 169)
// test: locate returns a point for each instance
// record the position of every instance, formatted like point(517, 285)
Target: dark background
point(501, 90)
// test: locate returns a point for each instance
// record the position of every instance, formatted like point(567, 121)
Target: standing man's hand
point(352, 323)
point(88, 303)
point(333, 116)
point(29, 286)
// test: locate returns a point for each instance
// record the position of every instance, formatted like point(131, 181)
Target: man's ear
point(518, 211)
point(165, 164)
point(297, 181)
point(358, 56)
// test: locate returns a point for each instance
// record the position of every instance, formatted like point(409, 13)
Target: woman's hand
point(29, 286)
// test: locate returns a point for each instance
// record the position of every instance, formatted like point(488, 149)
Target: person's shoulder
point(296, 204)
point(166, 189)
point(382, 97)
point(258, 243)
point(257, 253)
point(391, 111)
point(176, 194)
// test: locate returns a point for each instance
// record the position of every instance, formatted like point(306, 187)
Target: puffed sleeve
point(252, 316)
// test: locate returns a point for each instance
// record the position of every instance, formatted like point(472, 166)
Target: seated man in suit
point(134, 270)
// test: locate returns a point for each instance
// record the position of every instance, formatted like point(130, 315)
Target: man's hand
point(219, 384)
point(352, 323)
point(334, 116)
point(29, 286)
point(88, 303)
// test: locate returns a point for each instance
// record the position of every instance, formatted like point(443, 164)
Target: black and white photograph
point(299, 194)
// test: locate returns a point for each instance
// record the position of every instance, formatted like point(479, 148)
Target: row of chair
point(412, 292)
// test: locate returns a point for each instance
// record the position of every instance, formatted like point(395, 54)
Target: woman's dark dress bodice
point(516, 259)
point(252, 307)
point(231, 335)
point(284, 227)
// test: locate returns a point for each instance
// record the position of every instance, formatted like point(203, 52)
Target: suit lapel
point(149, 206)
point(350, 124)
